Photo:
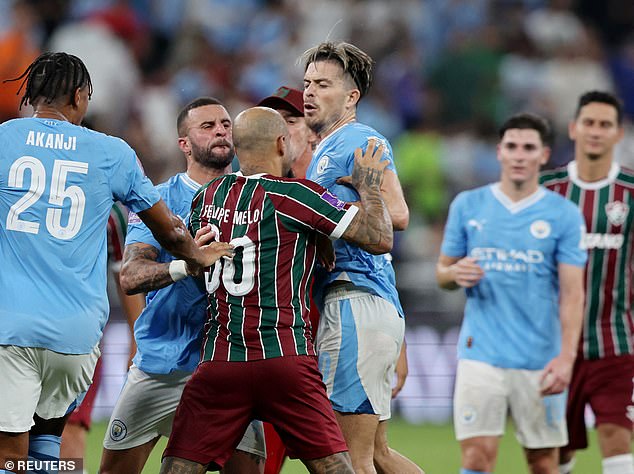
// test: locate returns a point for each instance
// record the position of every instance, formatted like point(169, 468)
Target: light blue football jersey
point(334, 158)
point(511, 317)
point(169, 332)
point(58, 182)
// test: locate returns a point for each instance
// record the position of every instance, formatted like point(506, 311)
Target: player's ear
point(281, 146)
point(545, 155)
point(184, 145)
point(75, 97)
point(353, 98)
point(571, 130)
point(621, 133)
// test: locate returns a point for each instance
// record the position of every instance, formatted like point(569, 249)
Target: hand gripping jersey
point(258, 300)
point(58, 182)
point(511, 318)
point(607, 208)
point(334, 158)
point(169, 332)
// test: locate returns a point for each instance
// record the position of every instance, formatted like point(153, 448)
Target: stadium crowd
point(448, 72)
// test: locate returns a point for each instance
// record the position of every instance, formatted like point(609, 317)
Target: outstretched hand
point(213, 251)
point(205, 235)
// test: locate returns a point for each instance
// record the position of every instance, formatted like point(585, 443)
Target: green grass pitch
point(431, 447)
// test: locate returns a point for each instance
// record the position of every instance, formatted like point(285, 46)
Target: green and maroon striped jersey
point(606, 206)
point(117, 228)
point(258, 300)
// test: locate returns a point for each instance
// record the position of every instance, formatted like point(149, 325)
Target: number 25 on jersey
point(59, 192)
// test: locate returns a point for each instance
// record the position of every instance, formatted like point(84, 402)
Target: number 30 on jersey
point(238, 272)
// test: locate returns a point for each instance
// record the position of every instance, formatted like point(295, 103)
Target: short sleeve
point(454, 243)
point(129, 183)
point(138, 232)
point(304, 205)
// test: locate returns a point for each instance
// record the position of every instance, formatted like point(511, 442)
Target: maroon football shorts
point(605, 384)
point(222, 398)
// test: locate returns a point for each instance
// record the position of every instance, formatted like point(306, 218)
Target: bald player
point(258, 359)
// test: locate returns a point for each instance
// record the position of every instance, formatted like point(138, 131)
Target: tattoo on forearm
point(373, 225)
point(142, 272)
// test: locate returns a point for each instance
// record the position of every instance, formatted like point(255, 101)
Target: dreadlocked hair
point(53, 76)
point(355, 62)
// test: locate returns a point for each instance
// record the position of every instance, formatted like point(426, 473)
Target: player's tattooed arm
point(140, 272)
point(371, 228)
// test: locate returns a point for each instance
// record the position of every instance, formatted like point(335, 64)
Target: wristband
point(178, 270)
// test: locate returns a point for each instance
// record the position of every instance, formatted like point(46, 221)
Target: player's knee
point(362, 458)
point(395, 462)
point(566, 455)
point(542, 461)
point(381, 451)
point(478, 457)
point(106, 466)
point(614, 439)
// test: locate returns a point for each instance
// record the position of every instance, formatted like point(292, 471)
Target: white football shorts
point(145, 410)
point(358, 343)
point(484, 394)
point(43, 382)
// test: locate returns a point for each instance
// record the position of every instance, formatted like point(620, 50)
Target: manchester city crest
point(118, 430)
point(468, 415)
point(617, 212)
point(322, 164)
point(540, 229)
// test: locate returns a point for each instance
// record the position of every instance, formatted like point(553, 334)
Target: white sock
point(621, 464)
point(567, 467)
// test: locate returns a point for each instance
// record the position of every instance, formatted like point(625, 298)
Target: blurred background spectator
point(447, 71)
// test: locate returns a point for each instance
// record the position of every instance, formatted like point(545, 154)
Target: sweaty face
point(521, 153)
point(209, 135)
point(325, 94)
point(596, 130)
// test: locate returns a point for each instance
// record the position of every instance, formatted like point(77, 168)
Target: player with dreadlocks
point(58, 182)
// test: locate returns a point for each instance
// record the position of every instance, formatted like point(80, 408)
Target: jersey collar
point(330, 138)
point(516, 206)
point(573, 172)
point(256, 175)
point(190, 183)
